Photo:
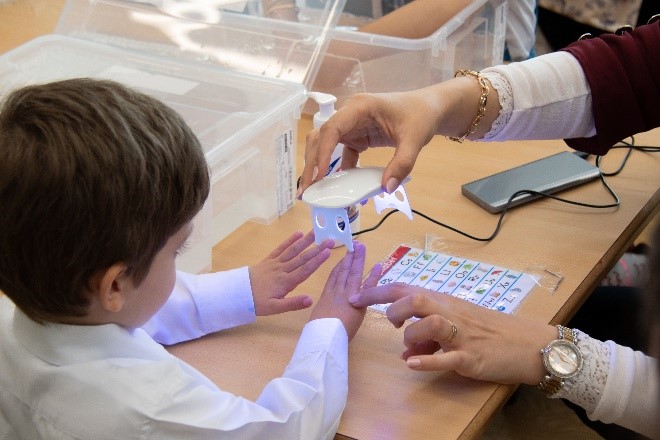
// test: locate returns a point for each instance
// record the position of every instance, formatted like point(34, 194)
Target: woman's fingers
point(434, 328)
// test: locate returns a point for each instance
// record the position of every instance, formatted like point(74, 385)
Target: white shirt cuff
point(224, 299)
point(203, 304)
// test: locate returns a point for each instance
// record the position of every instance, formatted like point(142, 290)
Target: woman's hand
point(486, 344)
point(406, 121)
point(402, 120)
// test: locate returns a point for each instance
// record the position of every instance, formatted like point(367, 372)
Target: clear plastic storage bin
point(319, 50)
point(357, 62)
point(240, 80)
point(237, 38)
point(246, 123)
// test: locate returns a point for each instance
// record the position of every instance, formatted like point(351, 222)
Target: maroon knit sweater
point(623, 73)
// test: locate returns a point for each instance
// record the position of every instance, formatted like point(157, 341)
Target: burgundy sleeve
point(623, 73)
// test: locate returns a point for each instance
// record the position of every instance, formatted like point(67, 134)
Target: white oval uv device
point(346, 187)
point(330, 196)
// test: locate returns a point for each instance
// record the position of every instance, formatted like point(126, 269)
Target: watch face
point(562, 358)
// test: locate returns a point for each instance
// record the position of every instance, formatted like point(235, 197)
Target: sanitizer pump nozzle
point(326, 103)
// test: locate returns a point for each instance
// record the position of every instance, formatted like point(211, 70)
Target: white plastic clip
point(385, 200)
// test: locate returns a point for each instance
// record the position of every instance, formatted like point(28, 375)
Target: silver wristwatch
point(562, 359)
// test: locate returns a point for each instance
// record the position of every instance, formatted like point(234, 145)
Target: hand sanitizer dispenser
point(326, 103)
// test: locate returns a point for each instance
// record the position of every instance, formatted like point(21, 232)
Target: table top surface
point(386, 399)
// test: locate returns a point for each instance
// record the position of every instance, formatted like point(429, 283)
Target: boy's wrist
point(350, 319)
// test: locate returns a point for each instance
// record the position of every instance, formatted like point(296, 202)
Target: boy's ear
point(111, 286)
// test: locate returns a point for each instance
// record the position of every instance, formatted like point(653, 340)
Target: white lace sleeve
point(550, 96)
point(505, 95)
point(616, 385)
point(586, 388)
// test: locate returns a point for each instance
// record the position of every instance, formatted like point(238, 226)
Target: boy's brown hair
point(92, 173)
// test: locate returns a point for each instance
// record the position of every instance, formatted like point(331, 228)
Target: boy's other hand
point(344, 281)
point(291, 263)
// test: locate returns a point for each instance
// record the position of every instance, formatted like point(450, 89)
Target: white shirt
point(62, 381)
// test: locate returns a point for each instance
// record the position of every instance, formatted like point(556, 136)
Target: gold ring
point(453, 332)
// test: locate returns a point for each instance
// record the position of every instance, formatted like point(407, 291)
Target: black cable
point(377, 225)
point(501, 218)
point(631, 146)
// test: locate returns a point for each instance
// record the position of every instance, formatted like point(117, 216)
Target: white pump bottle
point(326, 103)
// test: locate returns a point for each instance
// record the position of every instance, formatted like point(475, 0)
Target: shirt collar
point(65, 344)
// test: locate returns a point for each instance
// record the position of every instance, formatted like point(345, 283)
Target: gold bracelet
point(483, 100)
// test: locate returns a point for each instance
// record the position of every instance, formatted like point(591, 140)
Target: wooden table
point(386, 400)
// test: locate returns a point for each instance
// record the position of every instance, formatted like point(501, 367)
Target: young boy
point(98, 187)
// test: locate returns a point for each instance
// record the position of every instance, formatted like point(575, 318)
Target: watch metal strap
point(551, 384)
point(567, 333)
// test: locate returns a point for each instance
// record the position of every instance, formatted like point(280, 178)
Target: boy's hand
point(344, 281)
point(283, 270)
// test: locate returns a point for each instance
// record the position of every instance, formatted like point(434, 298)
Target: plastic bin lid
point(224, 108)
point(233, 34)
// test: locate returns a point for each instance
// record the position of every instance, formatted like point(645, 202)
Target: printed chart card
point(489, 286)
